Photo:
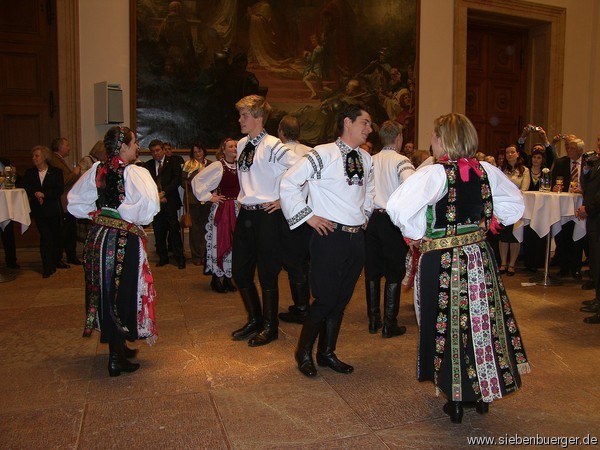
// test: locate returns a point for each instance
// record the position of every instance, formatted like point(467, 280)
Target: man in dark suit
point(568, 167)
point(8, 234)
point(167, 176)
point(590, 210)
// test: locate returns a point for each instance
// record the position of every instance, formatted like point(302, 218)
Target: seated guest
point(514, 168)
point(44, 185)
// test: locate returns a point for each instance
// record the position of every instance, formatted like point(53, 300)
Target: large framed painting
point(193, 60)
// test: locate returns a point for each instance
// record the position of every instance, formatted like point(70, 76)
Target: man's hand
point(321, 225)
point(273, 206)
point(581, 213)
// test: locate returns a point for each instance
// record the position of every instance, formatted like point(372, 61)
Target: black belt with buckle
point(347, 228)
point(258, 206)
point(380, 210)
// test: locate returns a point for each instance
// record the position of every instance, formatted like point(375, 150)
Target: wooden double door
point(28, 84)
point(496, 84)
point(28, 78)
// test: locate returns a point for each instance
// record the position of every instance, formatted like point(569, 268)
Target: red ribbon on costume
point(464, 164)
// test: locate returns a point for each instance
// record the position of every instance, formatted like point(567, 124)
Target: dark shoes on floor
point(75, 261)
point(162, 262)
point(592, 308)
point(62, 265)
point(454, 410)
point(593, 319)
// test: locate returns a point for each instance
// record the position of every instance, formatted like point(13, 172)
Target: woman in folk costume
point(469, 343)
point(120, 197)
point(219, 184)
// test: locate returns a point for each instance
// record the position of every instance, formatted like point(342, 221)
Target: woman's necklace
point(536, 174)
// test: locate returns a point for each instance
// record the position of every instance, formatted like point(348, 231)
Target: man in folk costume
point(340, 183)
point(262, 161)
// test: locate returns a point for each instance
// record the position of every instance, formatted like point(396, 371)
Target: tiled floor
point(199, 389)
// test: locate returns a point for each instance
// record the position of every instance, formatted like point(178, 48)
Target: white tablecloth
point(14, 205)
point(549, 211)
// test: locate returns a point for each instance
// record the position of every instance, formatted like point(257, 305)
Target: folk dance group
point(469, 342)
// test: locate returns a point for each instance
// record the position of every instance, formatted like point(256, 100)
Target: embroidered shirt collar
point(258, 138)
point(345, 148)
point(389, 147)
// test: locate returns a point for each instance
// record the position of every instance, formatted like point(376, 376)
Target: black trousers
point(594, 246)
point(295, 251)
point(50, 244)
point(69, 236)
point(256, 245)
point(336, 261)
point(569, 251)
point(385, 250)
point(8, 242)
point(166, 222)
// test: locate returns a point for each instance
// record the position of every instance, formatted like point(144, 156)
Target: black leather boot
point(217, 286)
point(303, 354)
point(129, 352)
point(269, 330)
point(454, 410)
point(301, 296)
point(391, 306)
point(373, 312)
point(117, 362)
point(228, 284)
point(254, 324)
point(330, 329)
point(482, 407)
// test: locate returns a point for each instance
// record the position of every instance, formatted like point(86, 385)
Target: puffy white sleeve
point(407, 206)
point(81, 199)
point(508, 200)
point(293, 202)
point(207, 181)
point(370, 188)
point(141, 202)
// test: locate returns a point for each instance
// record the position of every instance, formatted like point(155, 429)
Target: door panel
point(495, 94)
point(28, 83)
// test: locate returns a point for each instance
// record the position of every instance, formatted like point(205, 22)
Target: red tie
point(574, 173)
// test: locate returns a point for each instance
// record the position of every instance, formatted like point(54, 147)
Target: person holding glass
point(121, 198)
point(445, 210)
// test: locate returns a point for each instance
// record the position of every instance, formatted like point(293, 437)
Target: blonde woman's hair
point(457, 134)
point(46, 152)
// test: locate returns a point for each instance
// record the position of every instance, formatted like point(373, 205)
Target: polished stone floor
point(199, 389)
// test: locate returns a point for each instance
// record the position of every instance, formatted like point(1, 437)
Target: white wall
point(104, 56)
point(581, 94)
point(104, 47)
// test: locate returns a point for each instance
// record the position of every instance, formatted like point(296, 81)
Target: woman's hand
point(217, 198)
